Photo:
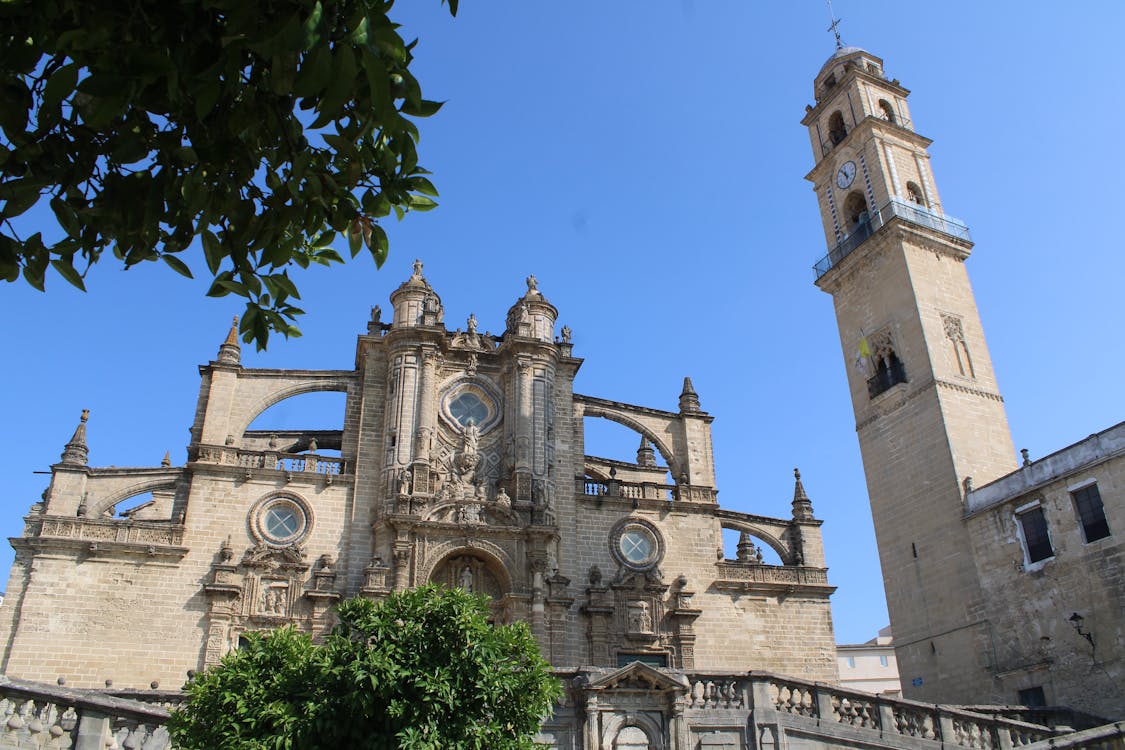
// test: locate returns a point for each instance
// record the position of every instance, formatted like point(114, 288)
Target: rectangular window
point(883, 661)
point(851, 662)
point(1091, 513)
point(1035, 538)
point(1033, 697)
point(653, 660)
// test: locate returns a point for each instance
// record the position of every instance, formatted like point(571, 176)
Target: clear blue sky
point(646, 162)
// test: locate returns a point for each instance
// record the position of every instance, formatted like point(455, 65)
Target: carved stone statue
point(566, 334)
point(467, 578)
point(472, 324)
point(640, 620)
point(404, 478)
point(502, 498)
point(417, 270)
point(532, 284)
point(376, 315)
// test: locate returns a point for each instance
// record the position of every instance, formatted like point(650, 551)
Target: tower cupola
point(532, 316)
point(416, 303)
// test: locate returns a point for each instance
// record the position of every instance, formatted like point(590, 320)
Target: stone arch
point(289, 390)
point(621, 418)
point(121, 494)
point(774, 541)
point(503, 564)
point(618, 723)
point(856, 210)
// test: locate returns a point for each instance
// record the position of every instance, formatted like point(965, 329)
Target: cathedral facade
point(460, 462)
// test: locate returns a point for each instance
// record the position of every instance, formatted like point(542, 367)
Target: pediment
point(640, 676)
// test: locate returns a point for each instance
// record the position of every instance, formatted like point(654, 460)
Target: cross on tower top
point(834, 26)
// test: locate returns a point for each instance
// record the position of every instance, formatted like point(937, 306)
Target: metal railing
point(895, 207)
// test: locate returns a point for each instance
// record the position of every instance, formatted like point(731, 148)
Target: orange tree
point(424, 670)
point(263, 128)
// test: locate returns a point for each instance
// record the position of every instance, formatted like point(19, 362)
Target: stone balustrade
point(897, 720)
point(310, 463)
point(614, 488)
point(731, 574)
point(34, 716)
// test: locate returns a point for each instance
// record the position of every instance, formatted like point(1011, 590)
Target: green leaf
point(66, 217)
point(355, 238)
point(60, 85)
point(212, 250)
point(424, 186)
point(378, 244)
point(177, 265)
point(66, 270)
point(423, 108)
point(422, 203)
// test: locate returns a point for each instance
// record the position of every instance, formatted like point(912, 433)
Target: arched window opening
point(743, 547)
point(631, 738)
point(140, 506)
point(889, 371)
point(476, 575)
point(305, 423)
point(616, 452)
point(914, 194)
point(836, 128)
point(855, 210)
point(888, 111)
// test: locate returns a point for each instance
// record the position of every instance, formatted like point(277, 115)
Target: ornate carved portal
point(267, 588)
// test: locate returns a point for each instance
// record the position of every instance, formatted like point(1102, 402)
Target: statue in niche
point(469, 513)
point(467, 578)
point(273, 600)
point(404, 478)
point(640, 621)
point(502, 498)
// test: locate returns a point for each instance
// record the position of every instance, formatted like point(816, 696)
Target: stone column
point(426, 406)
point(592, 730)
point(523, 488)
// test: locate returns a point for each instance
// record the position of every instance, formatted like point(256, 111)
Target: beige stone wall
point(1027, 606)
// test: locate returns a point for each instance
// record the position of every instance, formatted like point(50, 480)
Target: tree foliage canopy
point(424, 670)
point(262, 127)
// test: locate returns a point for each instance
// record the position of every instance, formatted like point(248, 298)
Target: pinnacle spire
point(802, 506)
point(167, 460)
point(646, 456)
point(230, 352)
point(76, 452)
point(689, 399)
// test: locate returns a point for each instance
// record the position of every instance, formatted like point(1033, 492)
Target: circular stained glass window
point(468, 407)
point(637, 545)
point(281, 520)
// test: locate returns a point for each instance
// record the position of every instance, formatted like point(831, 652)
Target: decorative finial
point(689, 399)
point(76, 453)
point(834, 27)
point(167, 460)
point(230, 352)
point(802, 506)
point(646, 456)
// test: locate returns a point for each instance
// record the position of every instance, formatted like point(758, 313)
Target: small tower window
point(855, 209)
point(914, 193)
point(1036, 538)
point(836, 128)
point(889, 370)
point(888, 111)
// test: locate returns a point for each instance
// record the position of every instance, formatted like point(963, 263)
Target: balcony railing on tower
point(895, 207)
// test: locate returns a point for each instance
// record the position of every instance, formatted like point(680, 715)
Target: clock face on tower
point(846, 174)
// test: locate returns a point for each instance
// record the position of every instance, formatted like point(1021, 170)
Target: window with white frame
point(1033, 529)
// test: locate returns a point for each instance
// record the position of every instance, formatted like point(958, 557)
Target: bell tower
point(928, 411)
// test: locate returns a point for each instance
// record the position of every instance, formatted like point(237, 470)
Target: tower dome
point(415, 302)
